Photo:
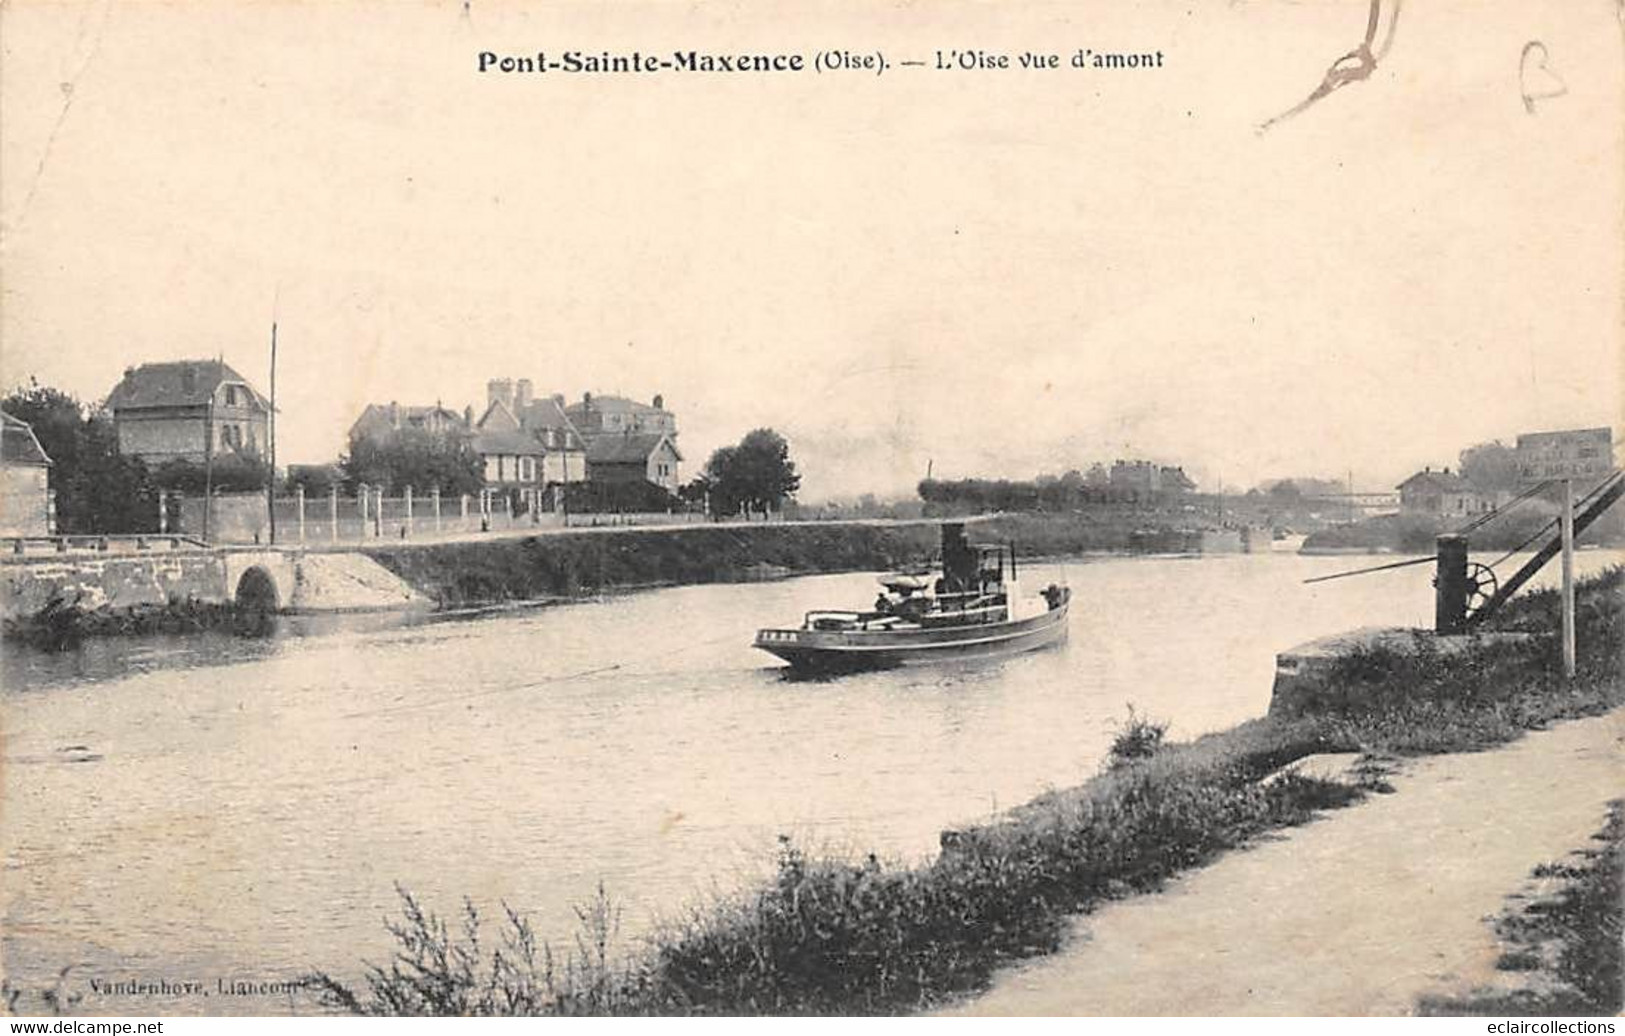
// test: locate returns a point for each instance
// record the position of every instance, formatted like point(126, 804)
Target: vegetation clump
point(1570, 945)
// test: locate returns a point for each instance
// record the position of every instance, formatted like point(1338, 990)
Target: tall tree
point(757, 474)
point(1490, 466)
point(422, 460)
point(97, 489)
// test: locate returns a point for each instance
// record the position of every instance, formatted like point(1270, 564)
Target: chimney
point(524, 392)
point(394, 414)
point(558, 400)
point(659, 401)
point(586, 399)
point(500, 390)
point(468, 415)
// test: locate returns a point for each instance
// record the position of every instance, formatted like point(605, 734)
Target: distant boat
point(976, 607)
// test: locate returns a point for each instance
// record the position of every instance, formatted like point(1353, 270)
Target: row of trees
point(415, 458)
point(1044, 493)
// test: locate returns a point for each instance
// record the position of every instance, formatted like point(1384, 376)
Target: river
point(200, 808)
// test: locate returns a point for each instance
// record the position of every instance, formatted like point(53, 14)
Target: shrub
point(1137, 738)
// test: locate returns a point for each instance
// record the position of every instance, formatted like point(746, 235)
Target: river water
point(208, 808)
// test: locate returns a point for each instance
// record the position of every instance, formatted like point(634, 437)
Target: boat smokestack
point(958, 560)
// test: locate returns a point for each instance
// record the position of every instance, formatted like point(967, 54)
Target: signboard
point(1584, 453)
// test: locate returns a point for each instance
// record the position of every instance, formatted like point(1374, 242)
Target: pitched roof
point(538, 415)
point(178, 383)
point(544, 413)
point(1441, 480)
point(18, 444)
point(619, 403)
point(627, 449)
point(377, 420)
point(501, 440)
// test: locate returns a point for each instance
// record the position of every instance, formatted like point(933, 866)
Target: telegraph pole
point(1568, 578)
point(270, 482)
point(208, 452)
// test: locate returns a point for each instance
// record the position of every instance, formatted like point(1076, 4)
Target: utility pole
point(270, 482)
point(1568, 578)
point(208, 449)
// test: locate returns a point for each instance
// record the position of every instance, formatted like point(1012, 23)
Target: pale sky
point(998, 272)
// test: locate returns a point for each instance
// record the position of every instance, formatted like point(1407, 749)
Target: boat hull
point(846, 650)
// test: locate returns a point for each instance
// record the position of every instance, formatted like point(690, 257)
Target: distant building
point(380, 422)
point(1142, 476)
point(1443, 494)
point(526, 442)
point(635, 457)
point(187, 410)
point(25, 491)
point(597, 416)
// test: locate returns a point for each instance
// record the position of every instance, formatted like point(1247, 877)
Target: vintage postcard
point(839, 508)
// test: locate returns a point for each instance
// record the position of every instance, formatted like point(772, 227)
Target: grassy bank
point(567, 564)
point(865, 936)
point(1416, 533)
point(1568, 947)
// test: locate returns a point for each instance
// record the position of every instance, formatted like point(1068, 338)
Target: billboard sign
point(1583, 453)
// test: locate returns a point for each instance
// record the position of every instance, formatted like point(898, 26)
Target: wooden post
point(299, 499)
point(436, 495)
point(362, 496)
point(333, 514)
point(163, 511)
point(378, 513)
point(409, 510)
point(462, 505)
point(1568, 579)
point(1450, 585)
point(270, 486)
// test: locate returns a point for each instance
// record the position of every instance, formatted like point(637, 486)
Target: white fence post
point(408, 525)
point(363, 497)
point(333, 514)
point(299, 497)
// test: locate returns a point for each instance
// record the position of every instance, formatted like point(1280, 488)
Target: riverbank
point(1417, 533)
point(565, 564)
point(848, 936)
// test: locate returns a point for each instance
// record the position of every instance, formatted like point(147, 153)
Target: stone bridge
point(283, 579)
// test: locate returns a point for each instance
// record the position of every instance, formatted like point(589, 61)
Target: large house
point(186, 410)
point(25, 493)
point(634, 457)
point(525, 442)
point(597, 416)
point(381, 422)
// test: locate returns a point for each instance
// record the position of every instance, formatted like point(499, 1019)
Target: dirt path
point(1358, 913)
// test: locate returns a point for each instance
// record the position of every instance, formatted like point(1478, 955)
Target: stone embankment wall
point(313, 582)
point(116, 582)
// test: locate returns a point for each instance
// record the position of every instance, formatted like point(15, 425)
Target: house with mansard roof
point(187, 410)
